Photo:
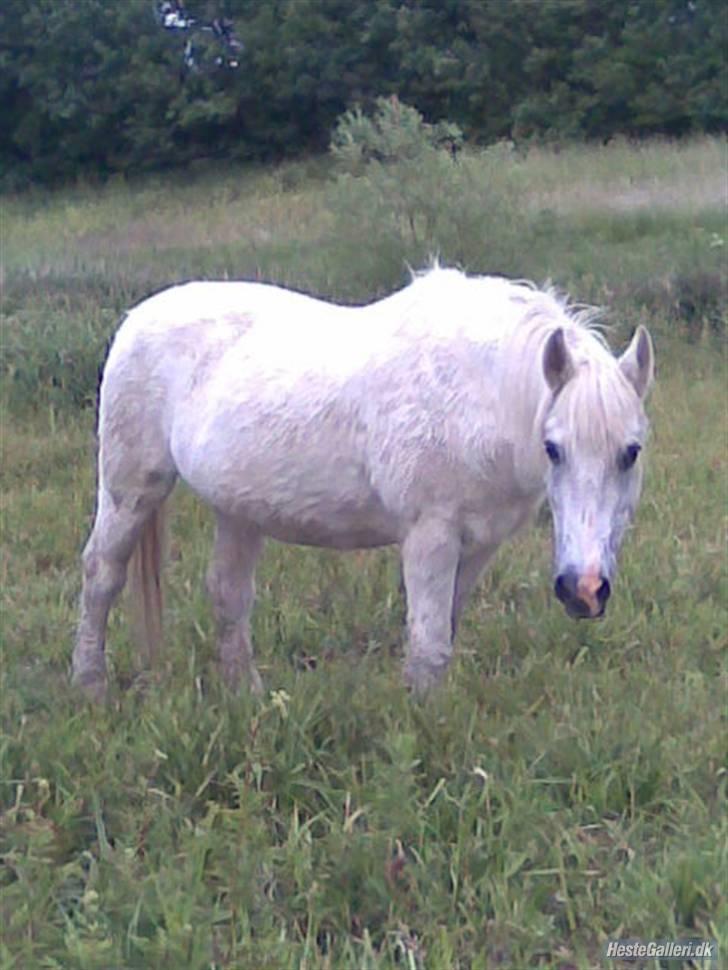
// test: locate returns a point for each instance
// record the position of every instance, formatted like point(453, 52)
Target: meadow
point(565, 786)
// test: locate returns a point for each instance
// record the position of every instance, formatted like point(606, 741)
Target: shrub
point(396, 132)
point(407, 190)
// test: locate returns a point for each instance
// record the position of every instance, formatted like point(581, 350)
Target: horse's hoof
point(255, 682)
point(94, 688)
point(420, 679)
point(237, 678)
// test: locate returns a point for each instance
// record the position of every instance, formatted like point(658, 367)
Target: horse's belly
point(306, 510)
point(311, 492)
point(361, 526)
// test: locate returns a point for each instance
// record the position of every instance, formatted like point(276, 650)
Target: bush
point(407, 191)
point(397, 132)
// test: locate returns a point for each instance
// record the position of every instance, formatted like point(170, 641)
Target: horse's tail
point(145, 582)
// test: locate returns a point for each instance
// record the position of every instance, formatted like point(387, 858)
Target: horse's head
point(593, 433)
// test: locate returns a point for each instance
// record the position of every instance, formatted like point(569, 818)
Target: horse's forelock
point(599, 406)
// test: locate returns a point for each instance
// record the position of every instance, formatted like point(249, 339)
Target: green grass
point(568, 784)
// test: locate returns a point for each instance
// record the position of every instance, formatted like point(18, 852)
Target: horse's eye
point(628, 457)
point(553, 451)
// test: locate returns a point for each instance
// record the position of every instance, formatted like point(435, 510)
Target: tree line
point(99, 86)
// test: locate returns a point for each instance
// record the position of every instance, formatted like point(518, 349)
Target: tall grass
point(568, 784)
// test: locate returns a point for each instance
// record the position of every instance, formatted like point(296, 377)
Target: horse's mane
point(598, 404)
point(546, 303)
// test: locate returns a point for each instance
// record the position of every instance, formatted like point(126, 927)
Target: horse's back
point(267, 397)
point(284, 328)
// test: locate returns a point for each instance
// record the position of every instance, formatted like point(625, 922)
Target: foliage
point(405, 183)
point(598, 69)
point(430, 206)
point(394, 132)
point(98, 87)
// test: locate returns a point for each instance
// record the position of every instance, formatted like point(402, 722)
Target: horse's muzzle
point(584, 597)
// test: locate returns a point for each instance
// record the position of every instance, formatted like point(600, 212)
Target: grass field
point(567, 785)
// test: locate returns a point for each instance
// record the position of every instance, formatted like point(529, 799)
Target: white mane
point(491, 305)
point(598, 404)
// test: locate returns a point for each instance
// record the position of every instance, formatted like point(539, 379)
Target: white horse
point(436, 419)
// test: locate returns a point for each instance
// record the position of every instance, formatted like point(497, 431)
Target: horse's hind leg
point(105, 558)
point(231, 584)
point(117, 527)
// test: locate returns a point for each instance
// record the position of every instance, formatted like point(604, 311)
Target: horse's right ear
point(557, 365)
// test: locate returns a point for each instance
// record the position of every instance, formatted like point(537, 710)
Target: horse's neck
point(525, 398)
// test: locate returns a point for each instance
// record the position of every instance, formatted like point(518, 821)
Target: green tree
point(631, 66)
point(73, 67)
point(100, 86)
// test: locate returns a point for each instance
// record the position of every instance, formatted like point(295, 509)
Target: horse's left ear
point(638, 361)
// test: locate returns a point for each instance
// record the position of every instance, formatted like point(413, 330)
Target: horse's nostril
point(561, 588)
point(603, 593)
point(565, 587)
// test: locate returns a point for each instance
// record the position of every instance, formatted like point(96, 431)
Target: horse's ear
point(557, 365)
point(638, 361)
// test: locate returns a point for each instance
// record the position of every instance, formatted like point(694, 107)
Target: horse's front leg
point(430, 555)
point(469, 569)
point(231, 584)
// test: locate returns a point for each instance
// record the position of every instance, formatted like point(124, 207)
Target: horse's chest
point(497, 521)
point(498, 504)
